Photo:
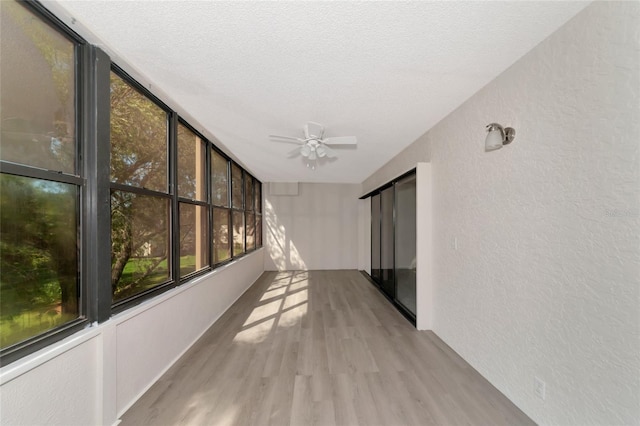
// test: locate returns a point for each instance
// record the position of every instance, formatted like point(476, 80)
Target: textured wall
point(316, 229)
point(417, 152)
point(545, 281)
point(64, 391)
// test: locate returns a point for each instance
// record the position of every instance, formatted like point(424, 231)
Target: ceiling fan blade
point(341, 140)
point(313, 130)
point(329, 152)
point(286, 139)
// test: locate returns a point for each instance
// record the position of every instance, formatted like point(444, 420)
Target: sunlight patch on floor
point(293, 316)
point(256, 333)
point(295, 299)
point(263, 311)
point(270, 294)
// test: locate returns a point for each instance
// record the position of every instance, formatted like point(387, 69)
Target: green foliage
point(139, 224)
point(38, 260)
point(138, 138)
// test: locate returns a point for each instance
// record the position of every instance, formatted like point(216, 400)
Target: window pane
point(405, 243)
point(138, 138)
point(376, 272)
point(191, 165)
point(38, 256)
point(219, 180)
point(236, 186)
point(257, 196)
point(139, 243)
point(258, 231)
point(37, 91)
point(194, 238)
point(248, 192)
point(387, 280)
point(250, 220)
point(238, 233)
point(222, 249)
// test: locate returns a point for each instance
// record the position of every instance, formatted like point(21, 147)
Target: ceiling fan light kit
point(314, 145)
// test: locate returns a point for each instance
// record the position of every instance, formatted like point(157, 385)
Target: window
point(221, 241)
point(194, 211)
point(258, 230)
point(192, 155)
point(140, 200)
point(238, 233)
point(249, 215)
point(250, 222)
point(38, 92)
point(41, 187)
point(79, 241)
point(237, 203)
point(236, 187)
point(248, 192)
point(221, 211)
point(257, 202)
point(139, 243)
point(219, 179)
point(258, 196)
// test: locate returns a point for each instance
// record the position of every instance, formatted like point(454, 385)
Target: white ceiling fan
point(314, 145)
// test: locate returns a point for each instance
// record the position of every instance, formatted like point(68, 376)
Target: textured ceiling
point(385, 72)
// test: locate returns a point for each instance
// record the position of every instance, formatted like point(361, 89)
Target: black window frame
point(92, 177)
point(206, 203)
point(237, 209)
point(226, 207)
point(85, 130)
point(170, 195)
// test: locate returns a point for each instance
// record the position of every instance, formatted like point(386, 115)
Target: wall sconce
point(498, 136)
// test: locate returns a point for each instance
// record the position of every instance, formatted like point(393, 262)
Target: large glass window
point(219, 179)
point(238, 233)
point(257, 196)
point(257, 204)
point(40, 183)
point(248, 192)
point(192, 156)
point(140, 218)
point(139, 243)
point(38, 256)
point(221, 240)
point(236, 186)
point(194, 210)
point(250, 222)
point(194, 238)
point(221, 213)
point(258, 230)
point(138, 138)
point(75, 248)
point(37, 88)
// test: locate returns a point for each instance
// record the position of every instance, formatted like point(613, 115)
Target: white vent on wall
point(283, 188)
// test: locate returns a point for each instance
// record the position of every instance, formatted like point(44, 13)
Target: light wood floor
point(320, 347)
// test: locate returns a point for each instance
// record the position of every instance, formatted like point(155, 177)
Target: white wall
point(545, 280)
point(316, 229)
point(95, 375)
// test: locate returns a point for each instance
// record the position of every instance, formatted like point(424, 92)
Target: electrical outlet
point(454, 243)
point(539, 388)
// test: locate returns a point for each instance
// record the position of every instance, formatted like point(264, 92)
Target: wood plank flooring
point(320, 348)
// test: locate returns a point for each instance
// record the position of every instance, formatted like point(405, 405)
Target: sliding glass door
point(405, 246)
point(386, 242)
point(393, 241)
point(375, 238)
